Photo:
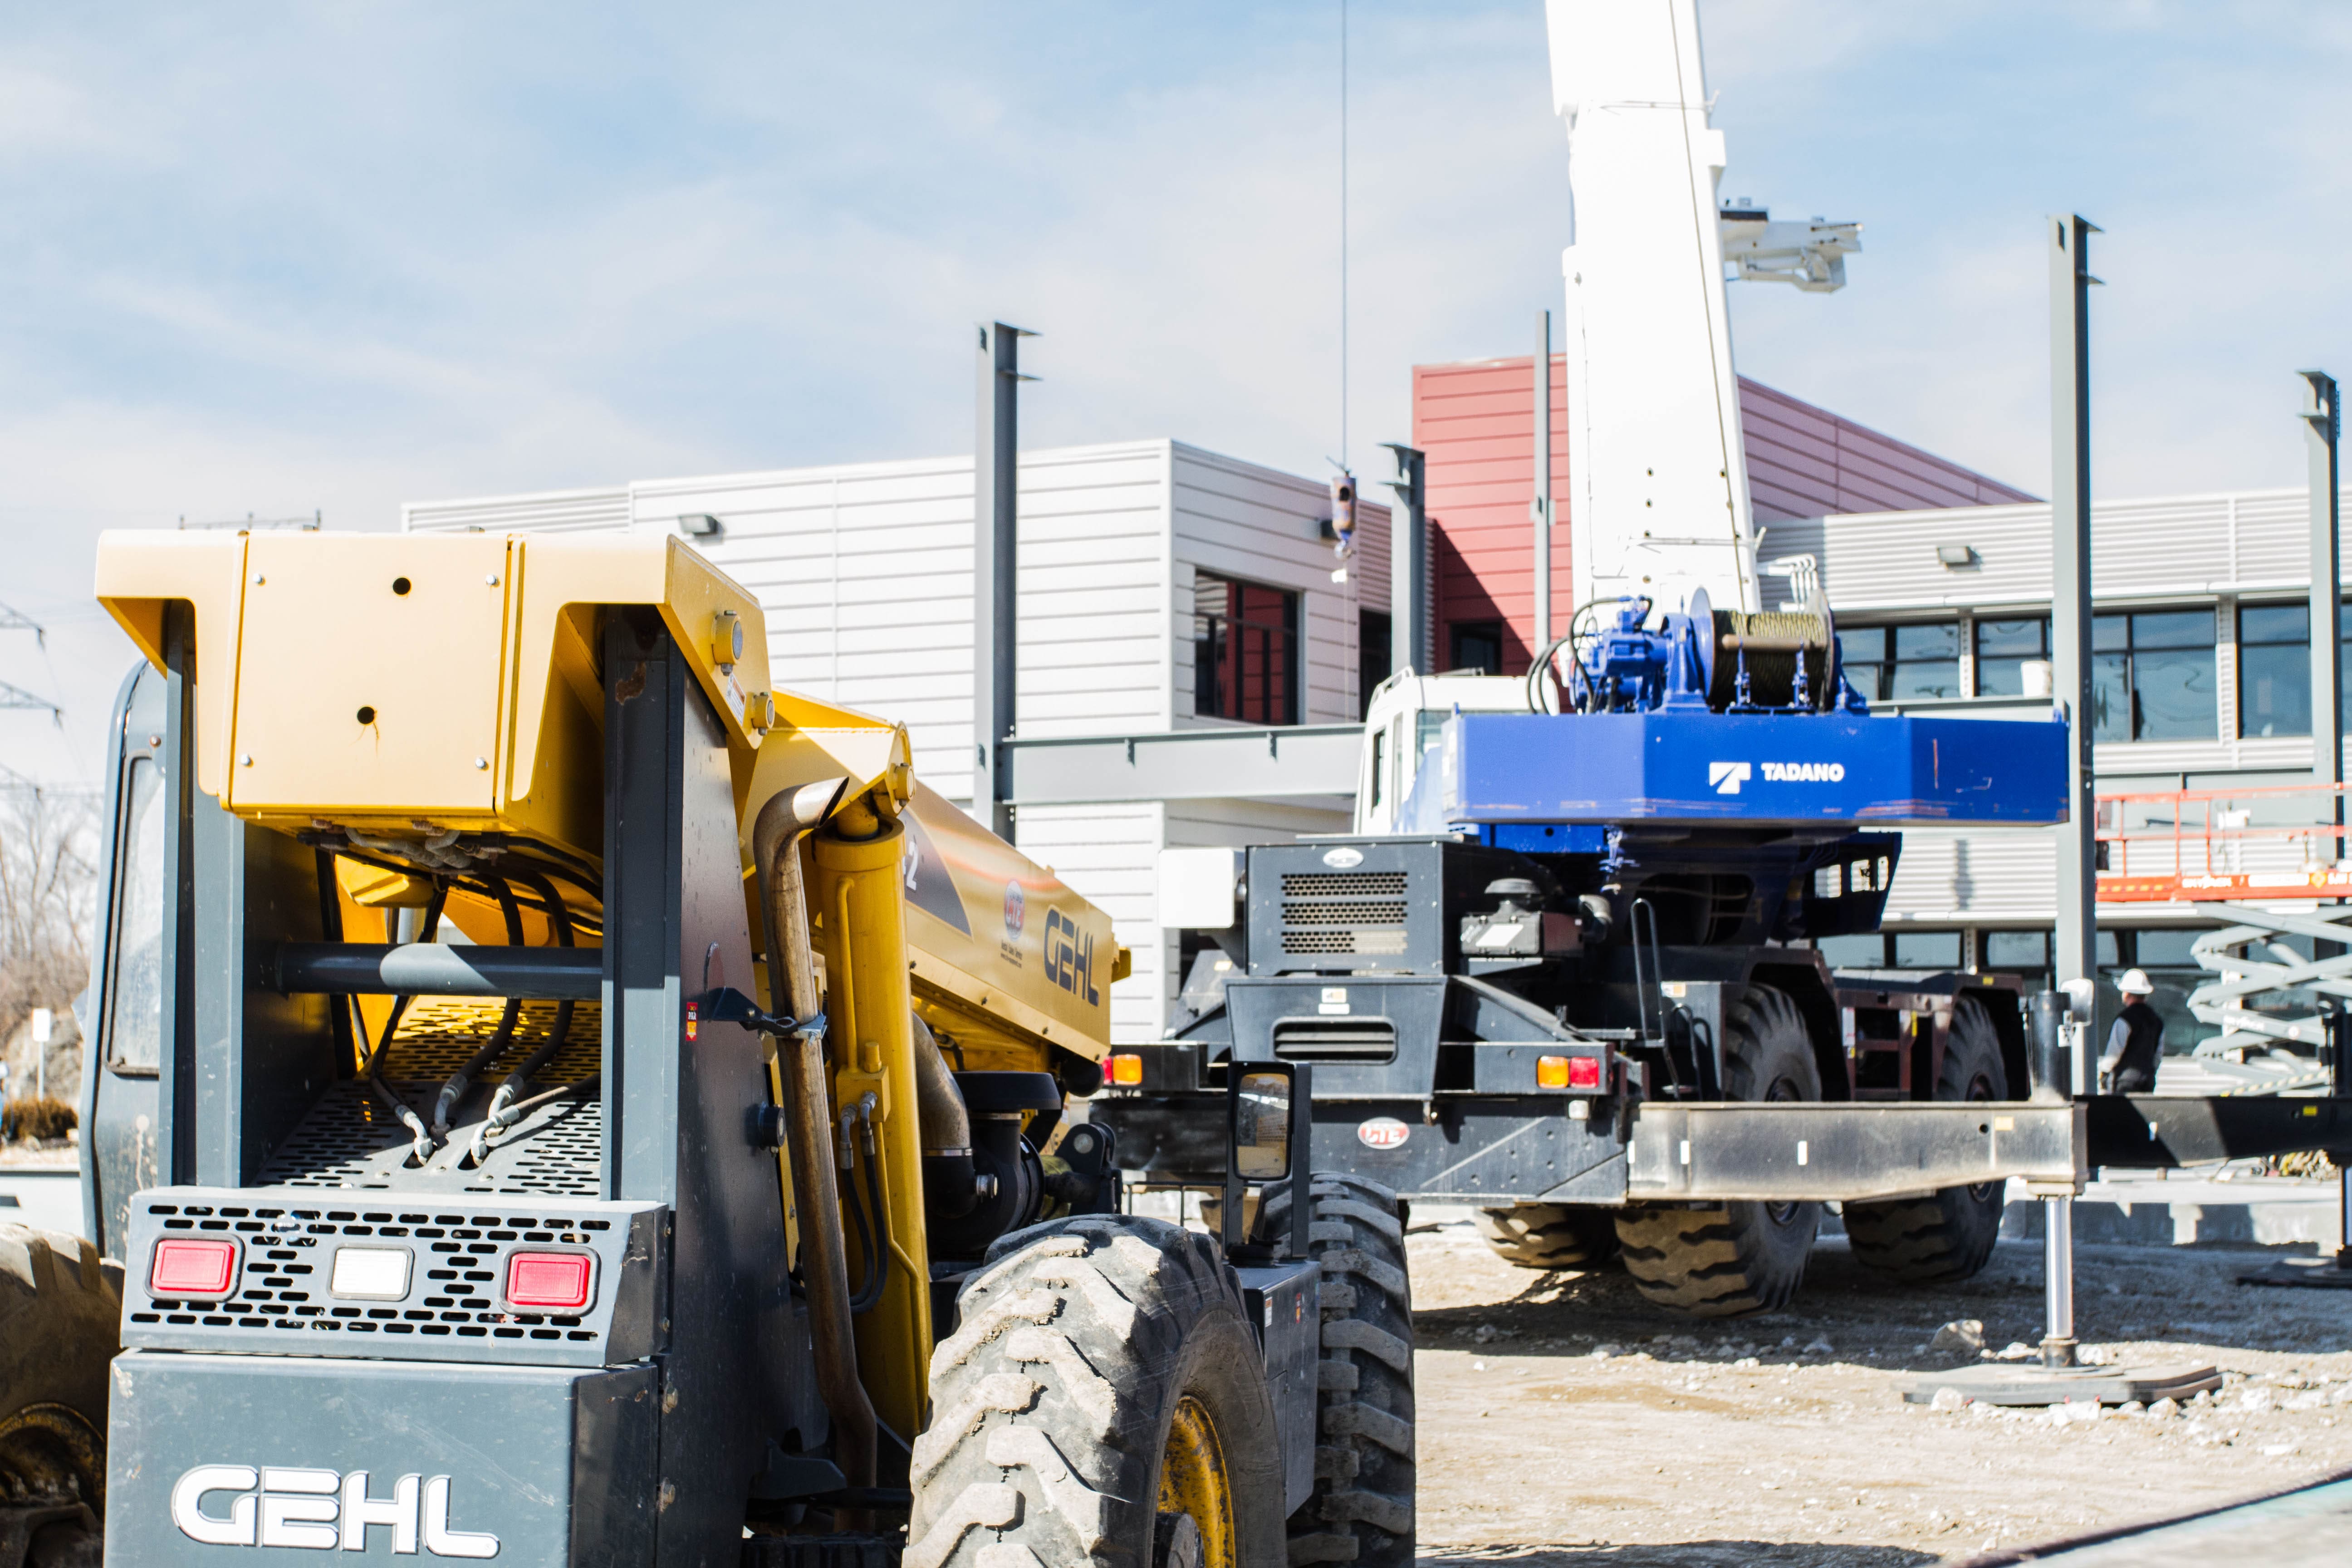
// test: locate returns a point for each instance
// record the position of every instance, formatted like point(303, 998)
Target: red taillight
point(191, 1266)
point(551, 1281)
point(1126, 1070)
point(1568, 1072)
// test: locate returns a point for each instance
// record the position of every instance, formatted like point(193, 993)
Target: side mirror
point(1270, 1133)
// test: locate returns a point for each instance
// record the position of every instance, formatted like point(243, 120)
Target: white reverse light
point(370, 1273)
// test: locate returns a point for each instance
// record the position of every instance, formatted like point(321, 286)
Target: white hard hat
point(2136, 982)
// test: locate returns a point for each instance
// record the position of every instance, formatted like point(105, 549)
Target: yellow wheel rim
point(1193, 1482)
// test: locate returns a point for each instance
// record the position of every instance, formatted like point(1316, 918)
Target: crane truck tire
point(1949, 1234)
point(1718, 1260)
point(60, 1321)
point(1102, 1401)
point(1362, 1509)
point(1550, 1236)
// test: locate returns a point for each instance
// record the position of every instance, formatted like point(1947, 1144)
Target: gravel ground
point(1564, 1420)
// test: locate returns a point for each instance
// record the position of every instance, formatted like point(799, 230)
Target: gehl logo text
point(237, 1505)
point(1070, 957)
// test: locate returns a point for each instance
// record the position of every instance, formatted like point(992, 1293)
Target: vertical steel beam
point(2070, 608)
point(1539, 509)
point(1409, 590)
point(995, 500)
point(2324, 428)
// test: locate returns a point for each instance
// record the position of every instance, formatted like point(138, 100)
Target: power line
point(12, 620)
point(17, 697)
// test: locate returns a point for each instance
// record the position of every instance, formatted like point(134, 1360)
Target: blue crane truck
point(1570, 977)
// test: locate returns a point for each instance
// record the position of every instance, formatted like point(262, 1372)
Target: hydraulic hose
point(504, 1111)
point(454, 1089)
point(776, 834)
point(421, 1136)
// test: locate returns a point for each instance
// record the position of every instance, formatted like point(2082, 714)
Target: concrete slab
point(50, 1199)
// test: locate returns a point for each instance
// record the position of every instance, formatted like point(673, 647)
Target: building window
point(2275, 670)
point(1244, 652)
point(1371, 658)
point(2152, 676)
point(2003, 650)
point(1928, 949)
point(1903, 663)
point(1477, 648)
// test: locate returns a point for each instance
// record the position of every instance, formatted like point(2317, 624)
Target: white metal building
point(1161, 588)
point(2202, 666)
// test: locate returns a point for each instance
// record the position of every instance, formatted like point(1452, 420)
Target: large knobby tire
point(1550, 1236)
point(1102, 1401)
point(1717, 1260)
point(1949, 1234)
point(60, 1324)
point(1362, 1509)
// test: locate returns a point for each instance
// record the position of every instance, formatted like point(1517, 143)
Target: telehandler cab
point(553, 1097)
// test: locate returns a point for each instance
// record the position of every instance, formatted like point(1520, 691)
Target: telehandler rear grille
point(451, 1305)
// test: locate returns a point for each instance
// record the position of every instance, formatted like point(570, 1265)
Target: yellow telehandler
point(553, 1098)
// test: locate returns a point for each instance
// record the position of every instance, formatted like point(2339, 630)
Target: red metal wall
point(1475, 423)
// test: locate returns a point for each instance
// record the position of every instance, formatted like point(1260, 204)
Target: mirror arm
point(1302, 1148)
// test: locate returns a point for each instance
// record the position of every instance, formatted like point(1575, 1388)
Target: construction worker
point(2134, 1041)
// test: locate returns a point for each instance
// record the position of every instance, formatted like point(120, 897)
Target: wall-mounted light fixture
point(701, 525)
point(1957, 556)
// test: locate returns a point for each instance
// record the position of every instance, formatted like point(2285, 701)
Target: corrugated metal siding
point(1238, 519)
point(866, 573)
point(559, 511)
point(2151, 549)
point(1108, 853)
point(1948, 877)
point(1474, 421)
point(2201, 550)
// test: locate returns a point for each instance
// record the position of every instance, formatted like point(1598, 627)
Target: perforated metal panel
point(351, 1138)
point(282, 1303)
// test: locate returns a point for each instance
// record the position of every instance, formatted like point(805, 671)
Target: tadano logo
point(322, 1509)
point(1726, 777)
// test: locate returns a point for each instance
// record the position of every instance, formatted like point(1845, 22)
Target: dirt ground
point(1564, 1421)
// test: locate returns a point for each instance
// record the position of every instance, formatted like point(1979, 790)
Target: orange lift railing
point(2276, 842)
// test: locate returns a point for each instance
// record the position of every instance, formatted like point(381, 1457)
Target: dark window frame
point(1880, 677)
point(1260, 689)
point(2253, 667)
point(2133, 656)
point(2008, 661)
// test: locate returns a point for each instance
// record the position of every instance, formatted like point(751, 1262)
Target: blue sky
point(275, 260)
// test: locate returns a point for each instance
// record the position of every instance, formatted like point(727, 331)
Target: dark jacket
point(2143, 1031)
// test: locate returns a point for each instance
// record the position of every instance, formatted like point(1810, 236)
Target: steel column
point(1539, 509)
point(1409, 587)
point(2070, 608)
point(2323, 425)
point(2077, 945)
point(995, 501)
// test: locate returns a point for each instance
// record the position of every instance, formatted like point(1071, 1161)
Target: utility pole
point(995, 498)
point(1539, 509)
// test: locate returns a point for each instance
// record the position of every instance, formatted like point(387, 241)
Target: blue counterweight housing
point(1822, 771)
